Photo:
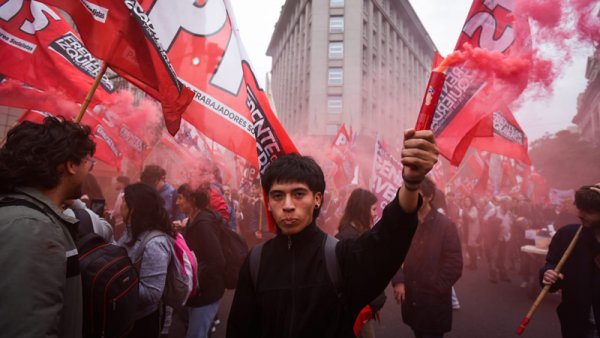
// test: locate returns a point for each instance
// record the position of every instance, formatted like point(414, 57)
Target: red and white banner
point(508, 139)
point(121, 34)
point(38, 47)
point(340, 153)
point(386, 176)
point(208, 56)
point(496, 51)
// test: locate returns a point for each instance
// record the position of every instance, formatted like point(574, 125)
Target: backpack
point(333, 268)
point(182, 279)
point(234, 249)
point(110, 283)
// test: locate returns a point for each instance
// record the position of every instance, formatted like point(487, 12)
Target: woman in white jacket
point(143, 212)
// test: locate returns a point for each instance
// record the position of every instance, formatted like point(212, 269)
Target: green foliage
point(565, 160)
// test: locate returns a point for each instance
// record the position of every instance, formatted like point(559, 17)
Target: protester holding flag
point(287, 290)
point(579, 311)
point(359, 216)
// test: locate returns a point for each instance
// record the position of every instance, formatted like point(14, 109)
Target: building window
point(336, 3)
point(335, 76)
point(336, 50)
point(336, 24)
point(334, 104)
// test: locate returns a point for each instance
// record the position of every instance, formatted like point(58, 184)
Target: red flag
point(508, 139)
point(121, 34)
point(228, 106)
point(41, 49)
point(107, 149)
point(494, 50)
point(342, 171)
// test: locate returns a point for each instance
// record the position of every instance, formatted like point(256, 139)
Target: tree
point(565, 160)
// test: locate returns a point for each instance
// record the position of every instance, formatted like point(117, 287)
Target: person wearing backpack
point(202, 234)
point(294, 294)
point(41, 166)
point(143, 212)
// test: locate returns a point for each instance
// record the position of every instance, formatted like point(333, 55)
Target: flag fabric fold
point(121, 34)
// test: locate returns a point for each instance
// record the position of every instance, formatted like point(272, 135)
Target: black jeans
point(146, 327)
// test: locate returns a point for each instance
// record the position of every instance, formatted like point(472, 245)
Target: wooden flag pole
point(546, 288)
point(91, 92)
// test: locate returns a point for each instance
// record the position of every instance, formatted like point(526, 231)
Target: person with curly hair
point(144, 215)
point(41, 166)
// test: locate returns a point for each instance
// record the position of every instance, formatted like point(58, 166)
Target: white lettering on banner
point(132, 139)
point(387, 176)
point(99, 13)
point(10, 8)
point(143, 19)
point(492, 4)
point(17, 42)
point(503, 128)
point(268, 145)
point(459, 87)
point(218, 107)
point(73, 50)
point(109, 141)
point(488, 23)
point(40, 20)
point(172, 16)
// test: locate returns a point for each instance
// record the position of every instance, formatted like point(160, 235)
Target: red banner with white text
point(386, 176)
point(120, 33)
point(40, 48)
point(208, 56)
point(496, 53)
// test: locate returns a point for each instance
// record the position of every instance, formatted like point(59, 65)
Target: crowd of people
point(298, 282)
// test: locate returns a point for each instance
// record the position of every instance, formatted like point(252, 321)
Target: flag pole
point(91, 92)
point(546, 288)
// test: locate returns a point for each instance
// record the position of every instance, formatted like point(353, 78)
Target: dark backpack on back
point(110, 283)
point(234, 249)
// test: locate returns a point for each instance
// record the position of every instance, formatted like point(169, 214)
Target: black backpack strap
point(331, 262)
point(255, 255)
point(7, 202)
point(85, 221)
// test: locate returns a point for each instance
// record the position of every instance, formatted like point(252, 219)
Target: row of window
point(335, 76)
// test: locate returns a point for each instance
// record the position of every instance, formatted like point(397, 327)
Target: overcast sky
point(443, 20)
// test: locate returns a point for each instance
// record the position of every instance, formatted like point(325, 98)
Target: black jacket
point(580, 289)
point(294, 297)
point(432, 266)
point(348, 232)
point(202, 237)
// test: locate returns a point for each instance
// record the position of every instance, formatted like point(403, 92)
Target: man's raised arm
point(419, 155)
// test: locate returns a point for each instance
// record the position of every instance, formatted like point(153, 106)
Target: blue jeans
point(201, 319)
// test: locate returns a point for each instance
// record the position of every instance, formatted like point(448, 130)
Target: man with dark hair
point(291, 293)
point(579, 311)
point(41, 166)
point(155, 176)
point(423, 286)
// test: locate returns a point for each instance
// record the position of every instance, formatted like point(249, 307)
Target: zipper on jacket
point(293, 312)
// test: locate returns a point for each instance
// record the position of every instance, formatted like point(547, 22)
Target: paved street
point(487, 310)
